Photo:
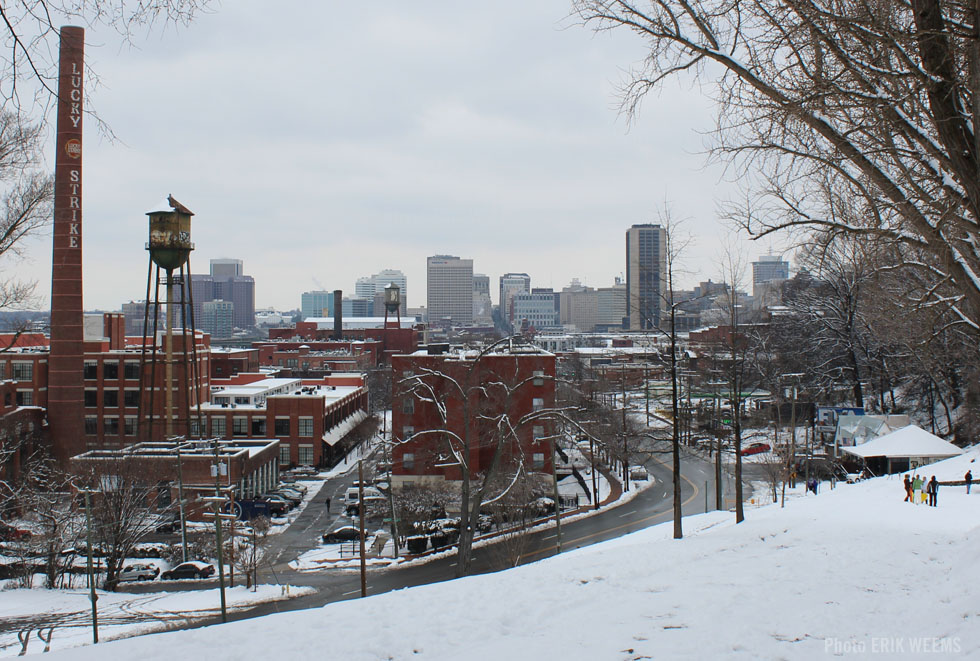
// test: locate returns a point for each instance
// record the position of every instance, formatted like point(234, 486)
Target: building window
point(537, 432)
point(538, 378)
point(305, 427)
point(131, 398)
point(218, 427)
point(537, 461)
point(306, 455)
point(282, 426)
point(131, 370)
point(284, 458)
point(25, 398)
point(90, 372)
point(258, 427)
point(195, 428)
point(110, 398)
point(110, 426)
point(408, 405)
point(408, 461)
point(239, 426)
point(91, 425)
point(407, 432)
point(110, 370)
point(292, 362)
point(91, 398)
point(537, 403)
point(243, 400)
point(130, 426)
point(22, 371)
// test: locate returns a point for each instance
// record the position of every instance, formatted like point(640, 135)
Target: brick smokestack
point(65, 363)
point(338, 314)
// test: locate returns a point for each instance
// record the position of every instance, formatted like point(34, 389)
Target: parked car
point(276, 505)
point(352, 494)
point(139, 572)
point(342, 534)
point(280, 500)
point(295, 486)
point(639, 473)
point(189, 569)
point(755, 448)
point(289, 494)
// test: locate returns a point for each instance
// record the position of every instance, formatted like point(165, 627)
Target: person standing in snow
point(969, 480)
point(916, 489)
point(908, 490)
point(933, 491)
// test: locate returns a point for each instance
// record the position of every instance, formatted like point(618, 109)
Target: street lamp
point(88, 563)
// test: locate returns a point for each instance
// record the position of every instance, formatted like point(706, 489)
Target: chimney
point(65, 362)
point(338, 314)
point(114, 328)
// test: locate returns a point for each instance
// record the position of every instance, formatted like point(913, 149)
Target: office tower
point(769, 268)
point(370, 286)
point(482, 305)
point(578, 306)
point(316, 304)
point(646, 275)
point(510, 284)
point(538, 307)
point(611, 305)
point(217, 318)
point(226, 268)
point(449, 290)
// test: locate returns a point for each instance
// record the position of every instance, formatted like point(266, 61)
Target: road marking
point(550, 536)
point(357, 591)
point(631, 512)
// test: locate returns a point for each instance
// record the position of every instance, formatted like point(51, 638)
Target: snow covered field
point(851, 573)
point(119, 612)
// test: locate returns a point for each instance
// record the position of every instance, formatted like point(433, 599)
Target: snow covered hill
point(853, 572)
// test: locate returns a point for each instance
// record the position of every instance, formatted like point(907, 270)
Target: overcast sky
point(321, 142)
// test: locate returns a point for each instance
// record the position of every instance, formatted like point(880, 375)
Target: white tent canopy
point(906, 443)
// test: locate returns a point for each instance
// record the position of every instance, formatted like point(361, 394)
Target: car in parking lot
point(342, 534)
point(139, 572)
point(755, 448)
point(189, 569)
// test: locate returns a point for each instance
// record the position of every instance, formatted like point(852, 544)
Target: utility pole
point(554, 484)
point(626, 454)
point(180, 496)
point(360, 517)
point(88, 566)
point(595, 487)
point(217, 501)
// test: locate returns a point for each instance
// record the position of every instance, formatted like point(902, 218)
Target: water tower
point(170, 247)
point(393, 303)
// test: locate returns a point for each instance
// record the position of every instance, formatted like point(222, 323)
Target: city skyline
point(508, 151)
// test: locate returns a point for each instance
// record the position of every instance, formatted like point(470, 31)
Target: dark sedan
point(192, 569)
point(344, 534)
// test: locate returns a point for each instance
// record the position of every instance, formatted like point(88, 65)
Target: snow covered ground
point(853, 573)
point(119, 613)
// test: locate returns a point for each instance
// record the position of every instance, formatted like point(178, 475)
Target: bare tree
point(875, 99)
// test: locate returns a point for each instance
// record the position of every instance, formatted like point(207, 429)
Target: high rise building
point(538, 307)
point(769, 268)
point(611, 303)
point(510, 284)
point(218, 318)
point(449, 290)
point(646, 275)
point(578, 306)
point(482, 305)
point(316, 304)
point(225, 283)
point(370, 286)
point(226, 268)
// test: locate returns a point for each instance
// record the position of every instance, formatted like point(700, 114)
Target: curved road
point(649, 507)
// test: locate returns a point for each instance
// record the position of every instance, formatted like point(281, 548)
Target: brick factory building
point(527, 375)
point(395, 338)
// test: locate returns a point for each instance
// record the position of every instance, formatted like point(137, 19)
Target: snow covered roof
point(908, 441)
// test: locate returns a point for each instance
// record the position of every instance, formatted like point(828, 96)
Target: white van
point(351, 495)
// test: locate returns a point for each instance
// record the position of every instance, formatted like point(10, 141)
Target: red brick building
point(391, 339)
point(516, 381)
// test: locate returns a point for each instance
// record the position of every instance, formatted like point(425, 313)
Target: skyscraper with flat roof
point(646, 275)
point(769, 268)
point(449, 290)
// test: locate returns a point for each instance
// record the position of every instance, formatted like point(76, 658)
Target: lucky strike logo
point(73, 148)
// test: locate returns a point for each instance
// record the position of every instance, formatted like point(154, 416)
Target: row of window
point(110, 425)
point(408, 460)
point(240, 426)
point(110, 370)
point(110, 398)
point(20, 370)
point(304, 458)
